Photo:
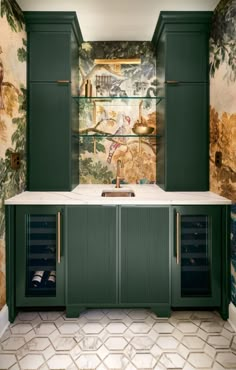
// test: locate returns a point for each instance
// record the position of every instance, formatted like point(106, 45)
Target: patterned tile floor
point(118, 339)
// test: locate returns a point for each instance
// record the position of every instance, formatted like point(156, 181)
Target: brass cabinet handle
point(58, 237)
point(172, 82)
point(63, 81)
point(178, 231)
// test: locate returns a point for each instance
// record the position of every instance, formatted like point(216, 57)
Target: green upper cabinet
point(144, 274)
point(53, 44)
point(91, 256)
point(182, 49)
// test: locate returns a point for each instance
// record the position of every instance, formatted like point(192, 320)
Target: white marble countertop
point(91, 194)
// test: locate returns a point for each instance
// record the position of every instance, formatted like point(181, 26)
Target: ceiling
point(117, 20)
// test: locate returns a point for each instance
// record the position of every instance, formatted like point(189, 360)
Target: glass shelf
point(113, 135)
point(109, 99)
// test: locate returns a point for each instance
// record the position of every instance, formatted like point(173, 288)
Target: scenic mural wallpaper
point(12, 114)
point(115, 118)
point(223, 113)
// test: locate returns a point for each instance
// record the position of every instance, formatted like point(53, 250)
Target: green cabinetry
point(181, 40)
point(200, 262)
point(53, 42)
point(144, 267)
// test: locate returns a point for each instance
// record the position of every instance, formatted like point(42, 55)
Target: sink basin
point(118, 193)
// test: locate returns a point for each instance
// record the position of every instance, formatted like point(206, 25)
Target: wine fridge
point(40, 270)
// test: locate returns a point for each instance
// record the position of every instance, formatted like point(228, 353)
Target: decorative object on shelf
point(37, 278)
point(88, 89)
point(51, 281)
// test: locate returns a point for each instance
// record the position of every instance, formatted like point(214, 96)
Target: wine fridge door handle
point(178, 232)
point(58, 237)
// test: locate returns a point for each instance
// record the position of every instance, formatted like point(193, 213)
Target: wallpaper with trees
point(223, 113)
point(12, 113)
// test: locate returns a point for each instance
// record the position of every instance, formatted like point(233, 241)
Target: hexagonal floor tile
point(226, 359)
point(138, 314)
point(163, 328)
point(93, 314)
point(193, 342)
point(90, 343)
point(59, 362)
point(38, 344)
point(31, 362)
point(116, 314)
point(27, 316)
point(171, 361)
point(21, 328)
point(116, 343)
point(144, 361)
point(116, 328)
point(140, 328)
point(50, 316)
point(13, 343)
point(88, 361)
point(64, 343)
point(92, 328)
point(116, 361)
point(7, 361)
point(218, 341)
point(68, 328)
point(187, 327)
point(44, 328)
point(211, 327)
point(200, 360)
point(167, 342)
point(142, 343)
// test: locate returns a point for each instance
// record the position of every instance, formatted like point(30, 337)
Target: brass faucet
point(118, 173)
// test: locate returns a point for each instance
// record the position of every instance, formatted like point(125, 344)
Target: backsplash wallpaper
point(115, 118)
point(223, 113)
point(12, 114)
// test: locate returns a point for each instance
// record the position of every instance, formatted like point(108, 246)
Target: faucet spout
point(118, 173)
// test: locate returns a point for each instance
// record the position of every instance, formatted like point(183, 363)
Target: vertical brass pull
point(58, 237)
point(178, 232)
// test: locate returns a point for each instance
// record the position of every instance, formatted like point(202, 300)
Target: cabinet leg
point(161, 311)
point(74, 311)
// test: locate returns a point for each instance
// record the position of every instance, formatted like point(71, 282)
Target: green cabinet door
point(91, 256)
point(197, 256)
point(186, 138)
point(39, 256)
point(144, 267)
point(49, 137)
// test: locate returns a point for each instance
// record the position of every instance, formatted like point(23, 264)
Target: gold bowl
point(142, 130)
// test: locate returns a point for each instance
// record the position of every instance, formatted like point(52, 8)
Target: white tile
point(90, 343)
point(38, 344)
point(21, 328)
point(144, 361)
point(27, 316)
point(218, 341)
point(172, 361)
point(68, 328)
point(44, 328)
point(7, 361)
point(59, 362)
point(129, 351)
point(50, 316)
point(139, 328)
point(116, 343)
point(211, 326)
point(183, 351)
point(87, 361)
point(203, 315)
point(156, 351)
point(102, 352)
point(181, 315)
point(15, 367)
point(94, 314)
point(116, 361)
point(49, 352)
point(116, 314)
point(13, 343)
point(167, 342)
point(163, 328)
point(193, 342)
point(116, 328)
point(64, 344)
point(92, 328)
point(138, 314)
point(187, 327)
point(31, 362)
point(142, 343)
point(226, 359)
point(200, 360)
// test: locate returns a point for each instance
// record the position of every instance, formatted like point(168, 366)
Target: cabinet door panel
point(144, 255)
point(187, 148)
point(187, 56)
point(196, 272)
point(49, 165)
point(49, 56)
point(91, 256)
point(39, 273)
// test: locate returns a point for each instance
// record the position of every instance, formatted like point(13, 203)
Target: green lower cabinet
point(91, 257)
point(144, 261)
point(39, 256)
point(199, 258)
